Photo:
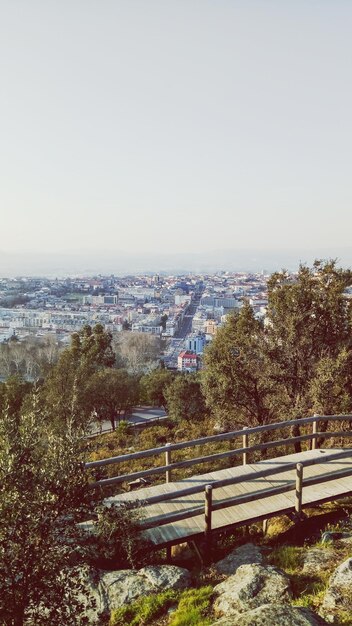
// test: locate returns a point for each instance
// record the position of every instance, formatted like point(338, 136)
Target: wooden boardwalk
point(175, 512)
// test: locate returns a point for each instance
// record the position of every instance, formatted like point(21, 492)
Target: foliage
point(64, 394)
point(193, 607)
point(144, 611)
point(239, 380)
point(309, 319)
point(118, 542)
point(137, 352)
point(300, 362)
point(154, 385)
point(43, 493)
point(184, 398)
point(111, 393)
point(13, 394)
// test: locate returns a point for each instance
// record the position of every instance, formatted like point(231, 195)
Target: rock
point(166, 576)
point(274, 615)
point(93, 596)
point(251, 586)
point(316, 559)
point(339, 592)
point(125, 586)
point(244, 555)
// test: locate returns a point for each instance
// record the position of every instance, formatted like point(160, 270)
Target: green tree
point(239, 379)
point(154, 385)
point(329, 389)
point(111, 394)
point(184, 398)
point(309, 320)
point(64, 394)
point(13, 394)
point(43, 493)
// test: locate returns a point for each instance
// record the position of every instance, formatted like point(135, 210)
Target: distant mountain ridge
point(90, 263)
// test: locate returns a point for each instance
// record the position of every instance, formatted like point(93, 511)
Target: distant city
point(184, 312)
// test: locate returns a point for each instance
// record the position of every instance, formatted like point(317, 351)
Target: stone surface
point(251, 586)
point(339, 591)
point(244, 555)
point(125, 586)
point(273, 615)
point(166, 576)
point(316, 560)
point(94, 591)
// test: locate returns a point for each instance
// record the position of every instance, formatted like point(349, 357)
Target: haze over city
point(149, 135)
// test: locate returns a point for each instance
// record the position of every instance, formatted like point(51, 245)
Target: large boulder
point(338, 595)
point(125, 586)
point(244, 555)
point(251, 586)
point(274, 615)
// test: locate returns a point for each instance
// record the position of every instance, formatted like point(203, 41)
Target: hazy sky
point(175, 125)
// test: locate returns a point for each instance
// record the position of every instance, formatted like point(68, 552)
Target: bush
point(118, 542)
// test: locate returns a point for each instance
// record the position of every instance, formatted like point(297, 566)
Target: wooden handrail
point(248, 476)
point(220, 437)
point(214, 457)
point(243, 499)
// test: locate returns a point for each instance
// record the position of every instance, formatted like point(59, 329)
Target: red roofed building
point(187, 361)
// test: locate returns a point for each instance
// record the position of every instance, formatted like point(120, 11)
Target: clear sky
point(175, 125)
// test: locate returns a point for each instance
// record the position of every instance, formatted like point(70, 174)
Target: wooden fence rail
point(296, 484)
point(244, 451)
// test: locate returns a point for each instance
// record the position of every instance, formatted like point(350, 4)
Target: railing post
point(168, 462)
point(314, 431)
point(208, 521)
point(299, 488)
point(244, 445)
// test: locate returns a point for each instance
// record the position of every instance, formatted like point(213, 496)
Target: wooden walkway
point(178, 511)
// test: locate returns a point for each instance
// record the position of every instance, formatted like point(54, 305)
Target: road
point(139, 415)
point(186, 325)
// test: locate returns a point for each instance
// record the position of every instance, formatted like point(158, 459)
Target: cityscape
point(180, 313)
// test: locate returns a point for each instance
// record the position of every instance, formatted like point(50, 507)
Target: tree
point(154, 385)
point(43, 493)
point(309, 319)
point(64, 392)
point(238, 380)
point(111, 393)
point(184, 398)
point(13, 394)
point(138, 352)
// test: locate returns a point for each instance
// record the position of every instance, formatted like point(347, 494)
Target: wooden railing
point(209, 506)
point(244, 451)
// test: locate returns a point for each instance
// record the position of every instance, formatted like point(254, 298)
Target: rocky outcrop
point(274, 615)
point(104, 591)
point(244, 555)
point(338, 595)
point(125, 586)
point(250, 587)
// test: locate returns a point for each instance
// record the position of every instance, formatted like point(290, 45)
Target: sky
point(175, 126)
